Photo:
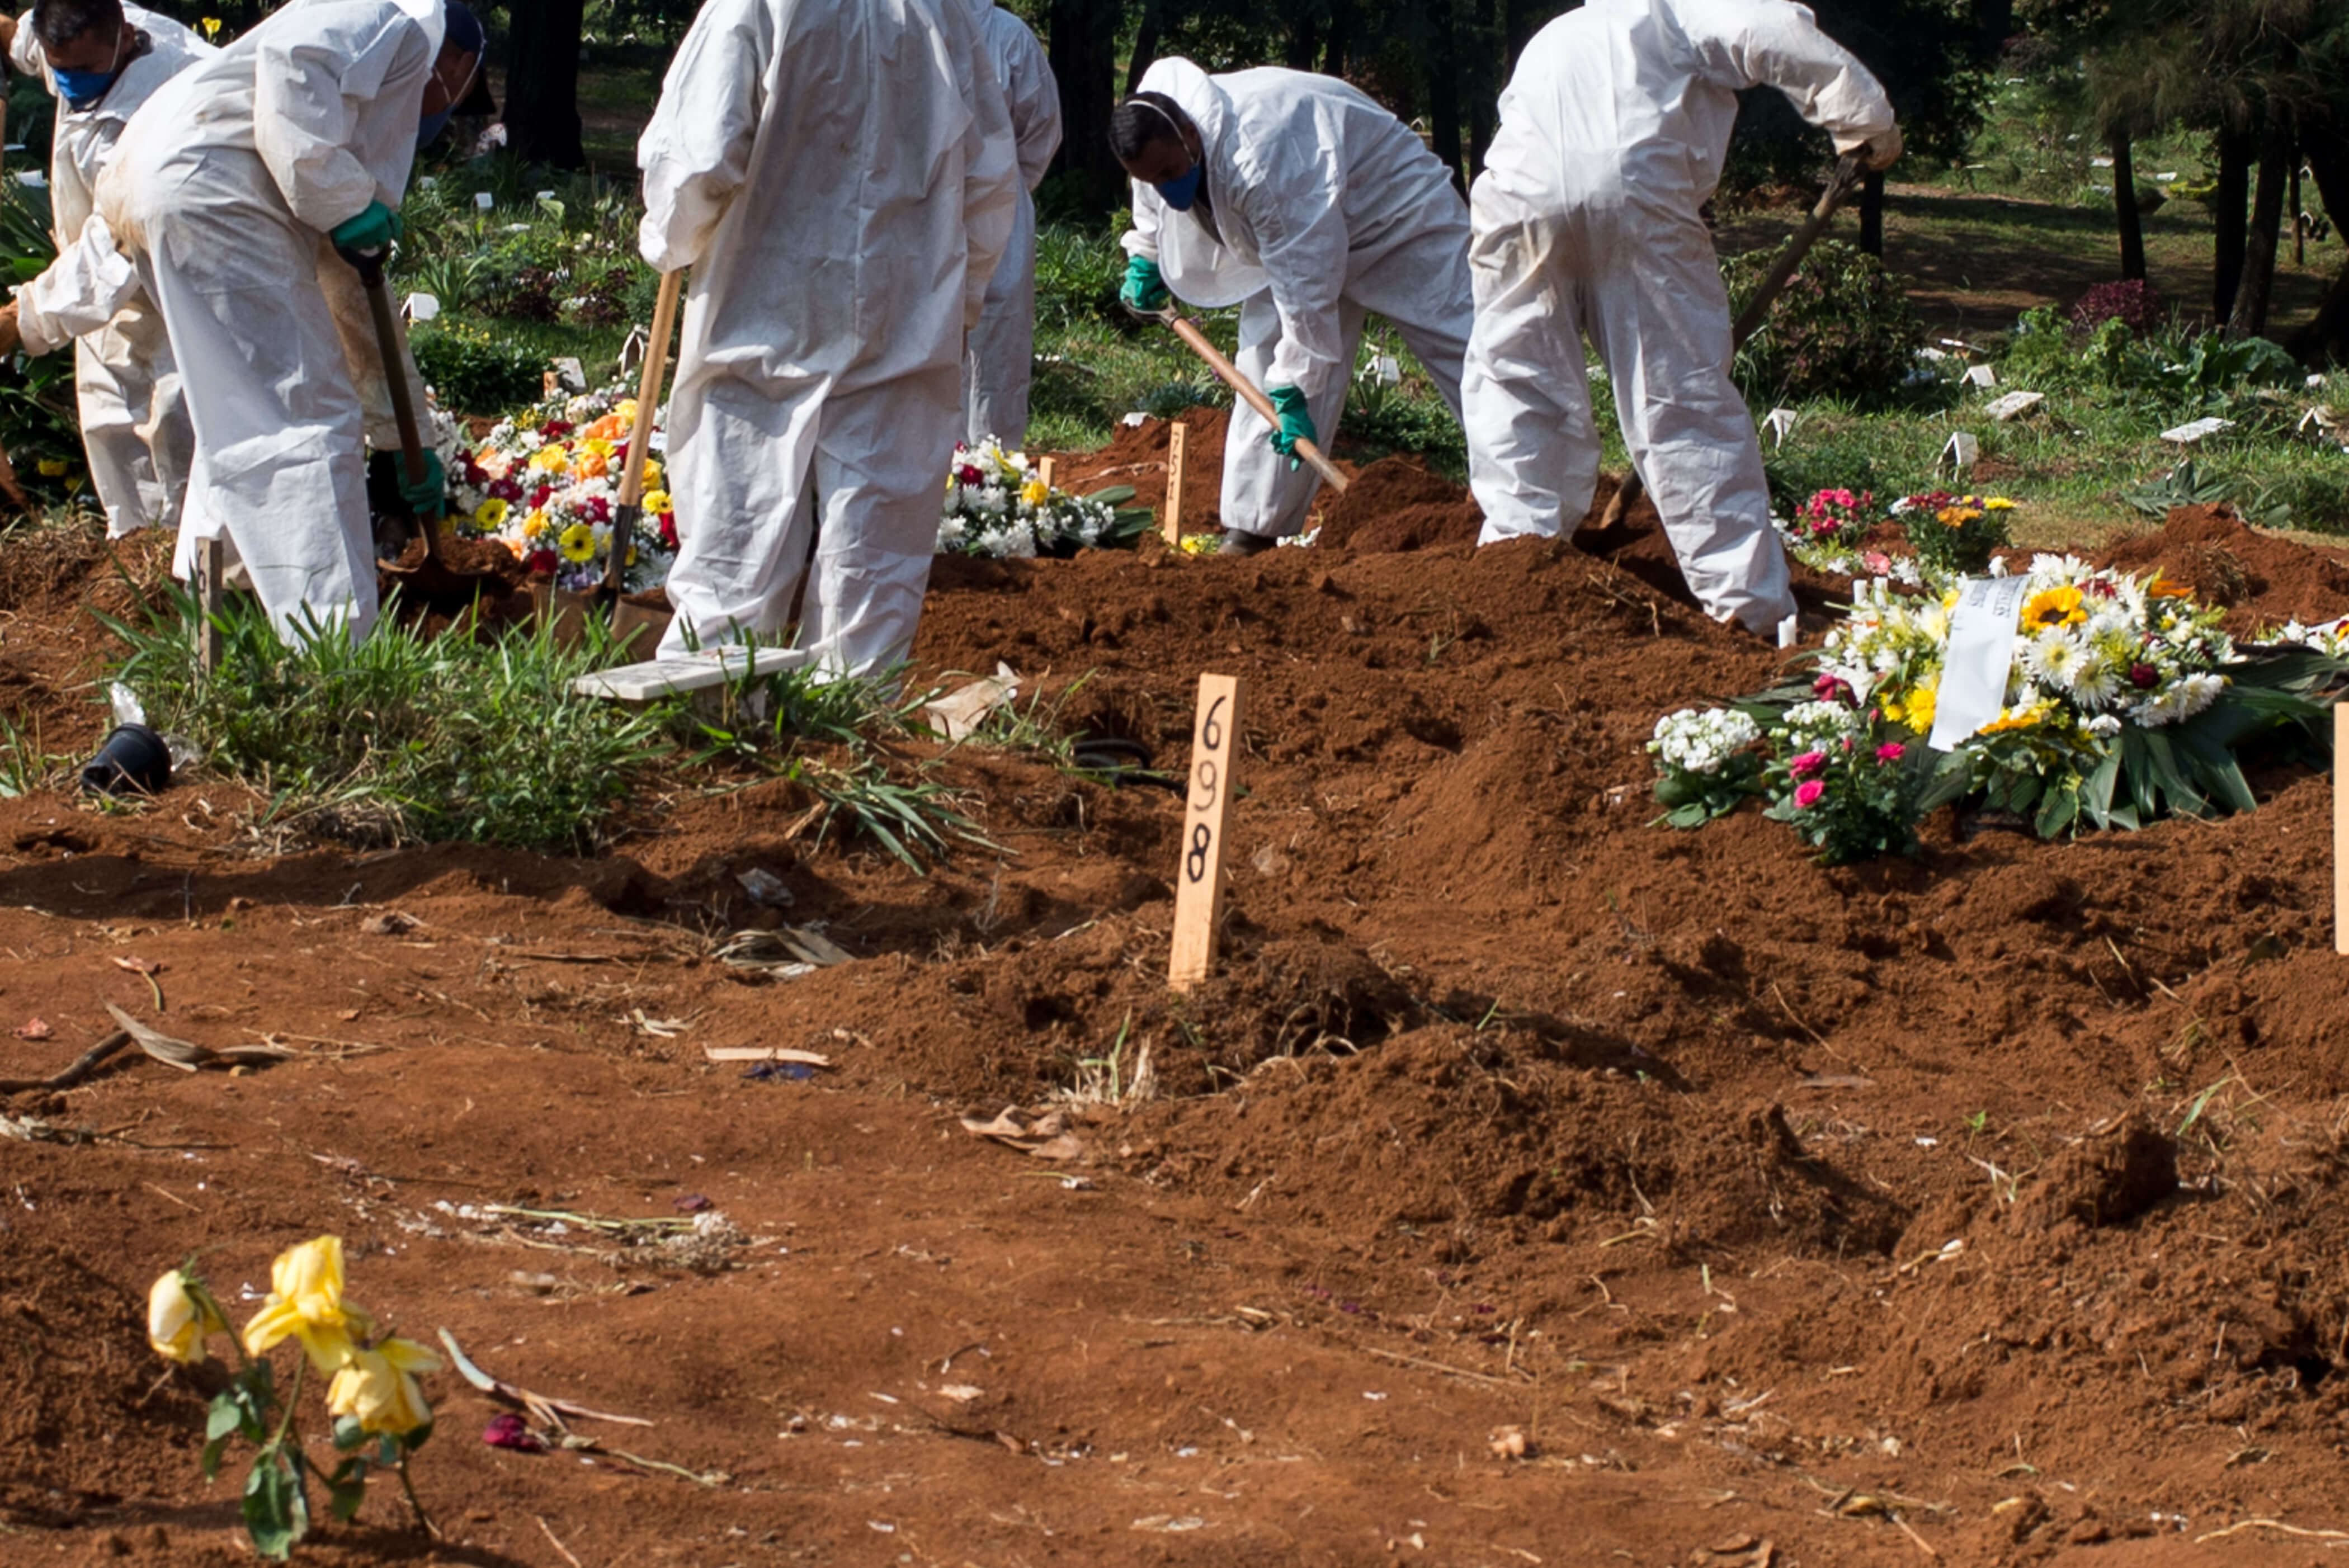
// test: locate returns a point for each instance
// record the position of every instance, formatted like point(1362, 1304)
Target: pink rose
point(1875, 561)
point(1890, 752)
point(1808, 763)
point(1808, 794)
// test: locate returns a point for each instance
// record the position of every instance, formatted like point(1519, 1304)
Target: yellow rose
point(535, 526)
point(1999, 503)
point(491, 513)
point(652, 474)
point(550, 459)
point(1035, 493)
point(578, 542)
point(602, 449)
point(305, 1302)
point(52, 468)
point(377, 1387)
point(657, 502)
point(178, 1319)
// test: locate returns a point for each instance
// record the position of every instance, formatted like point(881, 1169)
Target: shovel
point(628, 617)
point(1249, 393)
point(1848, 172)
point(431, 576)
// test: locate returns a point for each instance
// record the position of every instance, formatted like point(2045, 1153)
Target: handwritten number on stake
point(1199, 889)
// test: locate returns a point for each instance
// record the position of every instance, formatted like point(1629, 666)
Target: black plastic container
point(133, 761)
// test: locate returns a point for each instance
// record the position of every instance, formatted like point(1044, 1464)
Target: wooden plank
point(1044, 471)
point(1199, 871)
point(2340, 829)
point(1178, 441)
point(212, 558)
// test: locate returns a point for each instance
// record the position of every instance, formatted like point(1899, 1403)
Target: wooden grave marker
point(1199, 872)
point(1044, 471)
point(212, 558)
point(1178, 441)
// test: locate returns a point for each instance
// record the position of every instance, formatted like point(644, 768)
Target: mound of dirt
point(1136, 456)
point(1397, 504)
point(2263, 580)
point(87, 1415)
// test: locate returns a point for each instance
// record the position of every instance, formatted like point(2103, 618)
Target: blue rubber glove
point(426, 497)
point(376, 227)
point(1296, 423)
point(1144, 290)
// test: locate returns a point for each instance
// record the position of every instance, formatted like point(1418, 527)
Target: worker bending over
point(1001, 359)
point(102, 60)
point(1296, 198)
point(1612, 133)
point(234, 187)
point(840, 176)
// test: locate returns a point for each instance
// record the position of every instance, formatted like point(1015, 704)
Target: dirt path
point(1983, 1205)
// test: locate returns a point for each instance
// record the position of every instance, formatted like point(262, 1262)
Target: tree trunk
point(2250, 314)
point(1871, 213)
point(2237, 150)
point(2326, 335)
point(2125, 214)
point(1084, 61)
point(542, 107)
point(1333, 55)
point(1444, 88)
point(1146, 45)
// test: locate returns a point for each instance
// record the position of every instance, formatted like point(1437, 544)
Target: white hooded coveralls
point(134, 424)
point(1327, 207)
point(1612, 133)
point(839, 174)
point(1001, 359)
point(226, 187)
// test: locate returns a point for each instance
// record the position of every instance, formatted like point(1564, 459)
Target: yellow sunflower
point(2053, 607)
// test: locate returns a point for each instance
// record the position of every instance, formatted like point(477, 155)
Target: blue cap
point(461, 29)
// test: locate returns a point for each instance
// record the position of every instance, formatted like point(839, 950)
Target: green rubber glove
point(426, 497)
point(375, 227)
point(1296, 423)
point(1144, 290)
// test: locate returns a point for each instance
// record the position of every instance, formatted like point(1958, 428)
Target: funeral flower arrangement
point(1949, 535)
point(998, 504)
point(2124, 701)
point(546, 484)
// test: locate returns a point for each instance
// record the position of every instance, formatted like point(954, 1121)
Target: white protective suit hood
point(1206, 275)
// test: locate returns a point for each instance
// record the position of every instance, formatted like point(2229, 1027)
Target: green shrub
point(473, 371)
point(1842, 328)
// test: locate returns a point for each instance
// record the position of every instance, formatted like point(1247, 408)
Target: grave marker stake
point(1199, 871)
point(1178, 441)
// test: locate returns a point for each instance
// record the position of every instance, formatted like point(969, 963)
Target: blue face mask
point(429, 130)
point(1181, 192)
point(83, 89)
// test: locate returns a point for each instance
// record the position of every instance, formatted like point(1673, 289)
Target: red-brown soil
point(1984, 1206)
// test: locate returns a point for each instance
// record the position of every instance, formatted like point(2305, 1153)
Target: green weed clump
point(1843, 327)
point(402, 737)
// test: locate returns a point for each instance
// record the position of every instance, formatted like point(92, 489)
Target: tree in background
point(541, 106)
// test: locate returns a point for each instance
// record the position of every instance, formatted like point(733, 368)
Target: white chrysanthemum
point(2105, 724)
point(2096, 682)
point(1700, 742)
point(2052, 659)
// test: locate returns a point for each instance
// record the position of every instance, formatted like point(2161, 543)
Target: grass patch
point(402, 737)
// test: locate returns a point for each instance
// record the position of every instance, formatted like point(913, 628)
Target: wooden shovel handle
point(1249, 393)
point(648, 388)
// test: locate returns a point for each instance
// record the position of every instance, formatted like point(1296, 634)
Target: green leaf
point(348, 1433)
point(276, 1514)
point(2057, 811)
point(413, 1440)
point(347, 1487)
point(2096, 796)
point(212, 1451)
point(225, 1415)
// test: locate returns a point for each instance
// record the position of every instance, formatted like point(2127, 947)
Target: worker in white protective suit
point(1296, 198)
point(234, 187)
point(102, 60)
point(1001, 359)
point(840, 177)
point(1612, 133)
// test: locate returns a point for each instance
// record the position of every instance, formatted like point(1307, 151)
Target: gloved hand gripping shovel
point(429, 576)
point(626, 618)
point(1249, 392)
point(1846, 177)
